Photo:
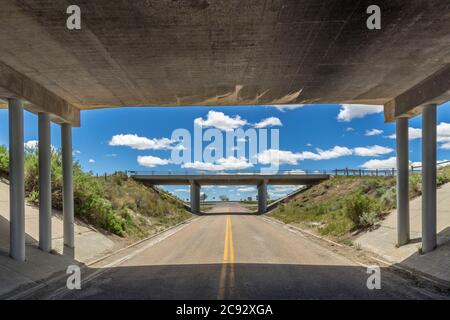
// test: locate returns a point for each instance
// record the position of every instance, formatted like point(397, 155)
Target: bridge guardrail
point(294, 172)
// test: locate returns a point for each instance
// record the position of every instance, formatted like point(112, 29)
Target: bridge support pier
point(403, 233)
point(429, 230)
point(45, 187)
point(16, 178)
point(68, 210)
point(195, 197)
point(262, 197)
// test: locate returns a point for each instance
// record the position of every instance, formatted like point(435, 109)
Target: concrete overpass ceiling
point(212, 52)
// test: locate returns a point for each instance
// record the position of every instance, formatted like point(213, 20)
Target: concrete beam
point(38, 99)
point(435, 89)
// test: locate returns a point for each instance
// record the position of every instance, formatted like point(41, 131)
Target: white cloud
point(372, 151)
point(279, 157)
point(373, 132)
point(288, 157)
point(151, 161)
point(247, 189)
point(349, 129)
point(335, 152)
point(140, 143)
point(91, 161)
point(268, 122)
point(221, 121)
point(181, 190)
point(31, 145)
point(309, 145)
point(230, 163)
point(284, 107)
point(353, 111)
point(413, 133)
point(380, 164)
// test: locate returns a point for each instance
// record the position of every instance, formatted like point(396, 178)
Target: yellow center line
point(225, 248)
point(231, 240)
point(228, 260)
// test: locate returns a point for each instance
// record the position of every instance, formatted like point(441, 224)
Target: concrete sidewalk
point(435, 264)
point(39, 265)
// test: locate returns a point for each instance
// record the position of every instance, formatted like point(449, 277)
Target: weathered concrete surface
point(212, 52)
point(230, 179)
point(39, 265)
point(436, 263)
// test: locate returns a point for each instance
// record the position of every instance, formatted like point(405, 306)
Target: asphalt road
point(239, 256)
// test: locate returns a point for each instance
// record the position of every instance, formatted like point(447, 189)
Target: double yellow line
point(228, 250)
point(227, 277)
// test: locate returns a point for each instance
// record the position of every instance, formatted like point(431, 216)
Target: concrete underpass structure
point(211, 52)
point(261, 181)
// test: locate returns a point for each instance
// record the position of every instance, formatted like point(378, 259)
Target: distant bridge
point(197, 178)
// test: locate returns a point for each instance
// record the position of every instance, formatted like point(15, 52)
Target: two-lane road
point(238, 256)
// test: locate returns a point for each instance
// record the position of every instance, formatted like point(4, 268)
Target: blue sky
point(303, 131)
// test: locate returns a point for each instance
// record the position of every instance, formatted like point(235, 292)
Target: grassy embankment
point(343, 206)
point(115, 203)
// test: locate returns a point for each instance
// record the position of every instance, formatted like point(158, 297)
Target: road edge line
point(50, 280)
point(442, 284)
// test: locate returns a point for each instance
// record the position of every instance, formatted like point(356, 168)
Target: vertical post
point(429, 178)
point(45, 187)
point(195, 197)
point(402, 181)
point(68, 211)
point(16, 177)
point(262, 197)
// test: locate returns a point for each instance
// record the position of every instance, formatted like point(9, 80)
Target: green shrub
point(4, 160)
point(388, 200)
point(358, 205)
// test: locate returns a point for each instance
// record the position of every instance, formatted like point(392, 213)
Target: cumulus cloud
point(413, 133)
point(220, 121)
point(247, 189)
point(353, 111)
point(380, 164)
point(91, 161)
point(140, 143)
point(284, 107)
point(151, 161)
point(230, 163)
point(288, 157)
point(373, 132)
point(372, 151)
point(268, 122)
point(31, 145)
point(273, 156)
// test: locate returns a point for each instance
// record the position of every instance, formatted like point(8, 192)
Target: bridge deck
point(230, 179)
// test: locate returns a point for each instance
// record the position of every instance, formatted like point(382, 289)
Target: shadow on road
point(241, 281)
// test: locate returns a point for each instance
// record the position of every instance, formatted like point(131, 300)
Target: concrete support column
point(262, 197)
point(429, 178)
point(68, 212)
point(45, 187)
point(402, 181)
point(16, 180)
point(195, 197)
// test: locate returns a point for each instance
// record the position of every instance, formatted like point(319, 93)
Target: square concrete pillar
point(262, 197)
point(402, 181)
point(429, 229)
